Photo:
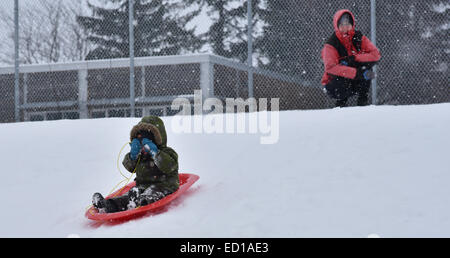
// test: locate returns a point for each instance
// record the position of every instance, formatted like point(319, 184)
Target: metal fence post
point(207, 79)
point(250, 48)
point(16, 62)
point(373, 22)
point(83, 93)
point(131, 32)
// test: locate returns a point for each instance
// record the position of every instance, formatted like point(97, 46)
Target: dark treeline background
point(288, 37)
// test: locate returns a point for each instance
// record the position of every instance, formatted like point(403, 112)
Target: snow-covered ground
point(334, 173)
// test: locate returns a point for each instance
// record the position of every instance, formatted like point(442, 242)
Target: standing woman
point(348, 57)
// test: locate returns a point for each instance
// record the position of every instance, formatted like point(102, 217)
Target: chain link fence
point(414, 39)
point(74, 55)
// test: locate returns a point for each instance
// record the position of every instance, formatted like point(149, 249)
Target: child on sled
point(155, 165)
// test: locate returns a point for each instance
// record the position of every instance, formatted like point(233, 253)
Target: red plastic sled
point(186, 181)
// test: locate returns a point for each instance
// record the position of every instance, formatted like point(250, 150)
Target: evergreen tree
point(412, 37)
point(158, 29)
point(227, 35)
point(436, 33)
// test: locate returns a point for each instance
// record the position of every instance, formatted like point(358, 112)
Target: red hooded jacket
point(331, 58)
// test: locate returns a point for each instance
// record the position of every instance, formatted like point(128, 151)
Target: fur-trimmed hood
point(154, 125)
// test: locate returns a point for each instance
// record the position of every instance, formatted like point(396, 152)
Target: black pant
point(342, 89)
point(137, 196)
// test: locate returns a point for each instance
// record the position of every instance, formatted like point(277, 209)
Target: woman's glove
point(363, 74)
point(149, 147)
point(348, 61)
point(135, 149)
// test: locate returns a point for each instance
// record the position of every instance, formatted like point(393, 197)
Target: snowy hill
point(334, 173)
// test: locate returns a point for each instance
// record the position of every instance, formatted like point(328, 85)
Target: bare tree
point(48, 33)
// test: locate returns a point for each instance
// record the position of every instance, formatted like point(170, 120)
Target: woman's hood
point(338, 16)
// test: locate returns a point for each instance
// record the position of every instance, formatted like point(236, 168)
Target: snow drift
point(334, 173)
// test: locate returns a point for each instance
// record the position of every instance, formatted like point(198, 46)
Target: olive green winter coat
point(162, 171)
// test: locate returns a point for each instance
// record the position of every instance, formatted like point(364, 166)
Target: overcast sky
point(202, 22)
point(9, 4)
